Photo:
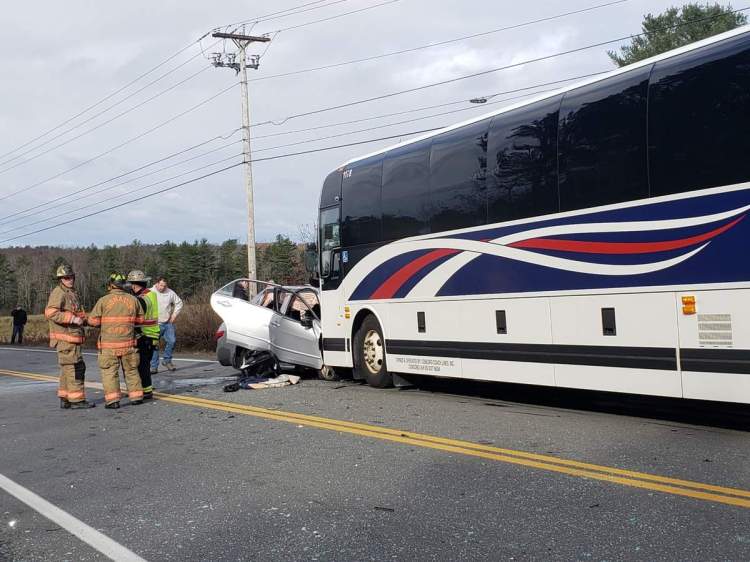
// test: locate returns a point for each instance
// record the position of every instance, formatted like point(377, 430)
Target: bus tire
point(369, 354)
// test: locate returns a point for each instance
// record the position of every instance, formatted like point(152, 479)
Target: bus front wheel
point(369, 354)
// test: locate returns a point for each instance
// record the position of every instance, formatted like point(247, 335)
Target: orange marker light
point(690, 300)
point(689, 309)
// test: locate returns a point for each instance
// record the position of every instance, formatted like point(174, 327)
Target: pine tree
point(8, 286)
point(677, 27)
point(280, 261)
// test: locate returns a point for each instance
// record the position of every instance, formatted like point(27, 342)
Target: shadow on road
point(696, 412)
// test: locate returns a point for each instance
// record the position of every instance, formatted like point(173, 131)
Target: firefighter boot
point(82, 405)
point(112, 406)
point(64, 404)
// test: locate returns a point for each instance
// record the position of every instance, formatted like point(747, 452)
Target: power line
point(337, 16)
point(100, 125)
point(422, 118)
point(438, 106)
point(270, 16)
point(231, 144)
point(76, 219)
point(135, 80)
point(266, 158)
point(3, 220)
point(122, 175)
point(95, 203)
point(477, 74)
point(38, 211)
point(101, 101)
point(127, 142)
point(438, 44)
point(453, 80)
point(102, 112)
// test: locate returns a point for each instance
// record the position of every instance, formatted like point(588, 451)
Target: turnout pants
point(72, 372)
point(110, 362)
point(145, 351)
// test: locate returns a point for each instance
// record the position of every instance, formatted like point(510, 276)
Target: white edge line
point(89, 535)
point(35, 350)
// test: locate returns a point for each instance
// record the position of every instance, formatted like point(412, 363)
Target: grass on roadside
point(195, 327)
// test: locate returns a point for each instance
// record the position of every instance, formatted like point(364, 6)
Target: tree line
point(194, 269)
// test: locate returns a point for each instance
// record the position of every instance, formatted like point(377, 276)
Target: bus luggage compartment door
point(715, 344)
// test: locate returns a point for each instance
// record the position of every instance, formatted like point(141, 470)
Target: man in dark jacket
point(19, 321)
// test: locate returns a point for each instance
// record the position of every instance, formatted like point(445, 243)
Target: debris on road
point(257, 383)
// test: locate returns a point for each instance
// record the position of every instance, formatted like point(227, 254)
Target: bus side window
point(360, 205)
point(522, 162)
point(458, 173)
point(602, 142)
point(406, 191)
point(699, 110)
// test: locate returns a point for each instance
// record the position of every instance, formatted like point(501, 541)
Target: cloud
point(90, 50)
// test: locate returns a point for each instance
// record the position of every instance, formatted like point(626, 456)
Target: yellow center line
point(674, 486)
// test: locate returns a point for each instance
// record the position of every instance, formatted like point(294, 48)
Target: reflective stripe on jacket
point(62, 307)
point(116, 313)
point(150, 306)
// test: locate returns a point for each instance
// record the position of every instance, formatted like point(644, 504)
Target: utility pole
point(242, 41)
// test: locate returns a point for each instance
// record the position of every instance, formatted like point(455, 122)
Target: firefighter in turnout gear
point(66, 318)
point(117, 314)
point(147, 332)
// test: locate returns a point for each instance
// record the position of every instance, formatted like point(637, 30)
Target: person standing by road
point(66, 318)
point(117, 314)
point(170, 306)
point(19, 321)
point(147, 333)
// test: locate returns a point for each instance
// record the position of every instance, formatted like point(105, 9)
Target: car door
point(247, 323)
point(291, 341)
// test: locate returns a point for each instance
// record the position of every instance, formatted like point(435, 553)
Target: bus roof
point(674, 52)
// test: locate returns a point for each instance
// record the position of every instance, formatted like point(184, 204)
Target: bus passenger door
point(332, 256)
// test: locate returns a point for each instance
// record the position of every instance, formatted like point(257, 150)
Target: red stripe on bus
point(584, 247)
point(391, 285)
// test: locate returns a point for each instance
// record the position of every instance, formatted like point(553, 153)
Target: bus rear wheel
point(369, 354)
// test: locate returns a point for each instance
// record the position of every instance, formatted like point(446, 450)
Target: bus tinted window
point(331, 190)
point(406, 191)
point(458, 174)
point(602, 142)
point(522, 167)
point(360, 206)
point(699, 111)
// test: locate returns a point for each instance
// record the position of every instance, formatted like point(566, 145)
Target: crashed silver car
point(264, 317)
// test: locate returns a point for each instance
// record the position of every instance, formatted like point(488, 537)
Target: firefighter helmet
point(117, 280)
point(137, 276)
point(64, 270)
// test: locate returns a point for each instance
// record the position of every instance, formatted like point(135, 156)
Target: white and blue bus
point(591, 238)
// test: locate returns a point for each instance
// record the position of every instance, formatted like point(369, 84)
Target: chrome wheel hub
point(373, 351)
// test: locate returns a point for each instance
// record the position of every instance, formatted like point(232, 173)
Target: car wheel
point(369, 354)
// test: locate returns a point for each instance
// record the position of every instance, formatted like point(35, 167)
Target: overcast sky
point(61, 57)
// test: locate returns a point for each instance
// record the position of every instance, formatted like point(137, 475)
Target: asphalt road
point(313, 472)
